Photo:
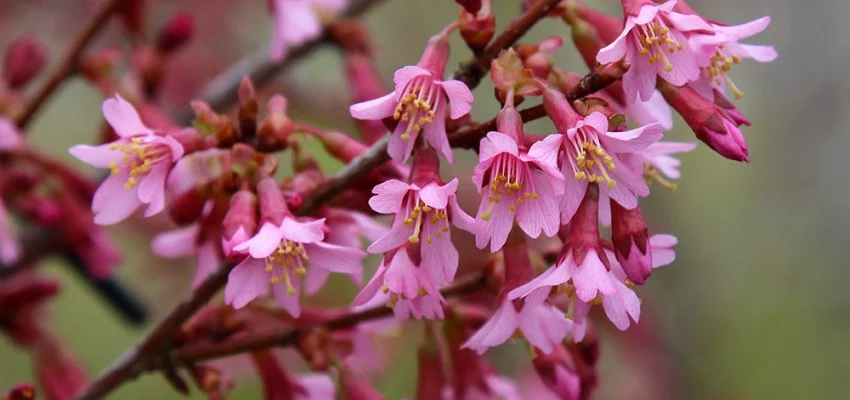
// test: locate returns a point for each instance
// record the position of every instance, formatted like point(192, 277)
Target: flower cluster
point(558, 229)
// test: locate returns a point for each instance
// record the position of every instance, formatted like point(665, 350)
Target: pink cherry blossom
point(522, 185)
point(422, 214)
point(139, 163)
point(280, 254)
point(298, 21)
point(184, 242)
point(10, 136)
point(662, 249)
point(542, 324)
point(657, 161)
point(653, 42)
point(408, 286)
point(10, 250)
point(592, 154)
point(420, 102)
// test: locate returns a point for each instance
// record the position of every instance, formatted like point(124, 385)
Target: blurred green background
point(755, 306)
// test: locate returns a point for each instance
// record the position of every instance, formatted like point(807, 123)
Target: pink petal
point(573, 195)
point(303, 232)
point(617, 49)
point(177, 243)
point(648, 12)
point(639, 80)
point(370, 228)
point(495, 230)
point(591, 278)
point(177, 150)
point(604, 208)
point(460, 97)
point(371, 289)
point(539, 214)
point(389, 196)
point(460, 218)
point(553, 276)
point(290, 302)
point(207, 261)
point(406, 74)
point(315, 279)
point(632, 141)
point(496, 330)
point(496, 143)
point(296, 22)
point(618, 307)
point(264, 242)
point(546, 151)
point(745, 30)
point(435, 132)
point(152, 189)
point(597, 121)
point(317, 386)
point(688, 22)
point(653, 110)
point(96, 156)
point(246, 282)
point(396, 236)
point(10, 136)
point(335, 258)
point(375, 109)
point(123, 117)
point(398, 148)
point(113, 203)
point(437, 196)
point(439, 259)
point(401, 275)
point(761, 54)
point(684, 63)
point(543, 326)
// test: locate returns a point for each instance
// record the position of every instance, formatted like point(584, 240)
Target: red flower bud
point(21, 391)
point(25, 58)
point(631, 242)
point(175, 33)
point(240, 222)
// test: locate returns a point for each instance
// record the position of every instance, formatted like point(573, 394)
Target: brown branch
point(69, 62)
point(473, 70)
point(283, 337)
point(223, 90)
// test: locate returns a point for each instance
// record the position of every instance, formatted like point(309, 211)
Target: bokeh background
point(756, 305)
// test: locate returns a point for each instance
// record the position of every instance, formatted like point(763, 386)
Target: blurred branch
point(68, 63)
point(223, 90)
point(191, 354)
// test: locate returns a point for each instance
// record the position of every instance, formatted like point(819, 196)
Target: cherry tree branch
point(223, 90)
point(284, 337)
point(68, 63)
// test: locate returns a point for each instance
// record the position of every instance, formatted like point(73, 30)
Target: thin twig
point(223, 90)
point(69, 62)
point(283, 337)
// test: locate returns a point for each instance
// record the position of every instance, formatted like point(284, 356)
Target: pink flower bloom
point(187, 241)
point(280, 252)
point(420, 102)
point(298, 21)
point(422, 213)
point(656, 160)
point(592, 155)
point(662, 250)
point(718, 49)
point(653, 42)
point(409, 286)
point(517, 181)
point(542, 324)
point(557, 372)
point(139, 162)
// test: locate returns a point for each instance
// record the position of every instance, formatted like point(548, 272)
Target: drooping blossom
point(520, 184)
point(659, 165)
point(420, 102)
point(542, 324)
point(139, 162)
point(423, 210)
point(280, 253)
point(718, 49)
point(193, 240)
point(298, 21)
point(653, 42)
point(404, 283)
point(591, 154)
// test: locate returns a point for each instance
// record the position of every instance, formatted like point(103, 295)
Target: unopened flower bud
point(712, 124)
point(365, 84)
point(21, 391)
point(272, 204)
point(188, 206)
point(558, 372)
point(97, 66)
point(631, 242)
point(276, 127)
point(559, 110)
point(240, 222)
point(214, 383)
point(175, 33)
point(25, 58)
point(471, 6)
point(341, 146)
point(248, 108)
point(132, 13)
point(477, 28)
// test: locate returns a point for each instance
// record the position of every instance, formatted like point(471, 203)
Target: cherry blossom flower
point(653, 42)
point(420, 102)
point(658, 164)
point(520, 184)
point(139, 163)
point(298, 21)
point(10, 250)
point(188, 241)
point(281, 251)
point(592, 155)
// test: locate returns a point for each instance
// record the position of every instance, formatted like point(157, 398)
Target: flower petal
point(302, 232)
point(460, 97)
point(375, 109)
point(246, 282)
point(437, 196)
point(123, 117)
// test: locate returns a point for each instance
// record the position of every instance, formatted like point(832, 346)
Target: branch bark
point(69, 62)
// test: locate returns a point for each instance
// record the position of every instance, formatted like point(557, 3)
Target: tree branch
point(223, 90)
point(191, 354)
point(69, 62)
